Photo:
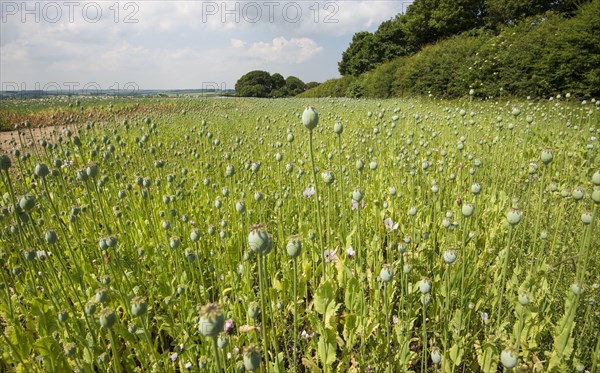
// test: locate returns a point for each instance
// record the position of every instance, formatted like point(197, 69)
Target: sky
point(152, 44)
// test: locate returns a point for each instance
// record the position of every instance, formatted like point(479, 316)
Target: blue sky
point(176, 44)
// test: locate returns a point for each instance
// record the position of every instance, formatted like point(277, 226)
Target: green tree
point(390, 40)
point(278, 81)
point(358, 58)
point(256, 83)
point(294, 86)
point(508, 12)
point(428, 21)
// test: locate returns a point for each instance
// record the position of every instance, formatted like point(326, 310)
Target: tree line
point(260, 83)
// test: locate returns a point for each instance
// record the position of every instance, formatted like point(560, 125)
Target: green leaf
point(456, 354)
point(487, 356)
point(327, 347)
point(349, 328)
point(311, 365)
point(323, 297)
point(352, 298)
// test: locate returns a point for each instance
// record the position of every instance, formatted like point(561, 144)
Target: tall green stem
point(317, 207)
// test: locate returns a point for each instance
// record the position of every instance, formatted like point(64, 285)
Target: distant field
point(431, 236)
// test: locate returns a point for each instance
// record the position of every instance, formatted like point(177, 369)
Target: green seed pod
point(449, 256)
point(596, 195)
point(211, 320)
point(310, 118)
point(41, 170)
point(92, 170)
point(251, 359)
point(194, 235)
point(578, 194)
point(5, 162)
point(596, 178)
point(139, 306)
point(467, 209)
point(407, 269)
point(586, 218)
point(509, 358)
point(475, 188)
point(514, 216)
point(174, 242)
point(27, 203)
point(328, 177)
point(360, 164)
point(425, 286)
point(111, 241)
point(293, 247)
point(90, 308)
point(259, 240)
point(523, 299)
point(387, 273)
point(107, 317)
point(101, 295)
point(290, 137)
point(50, 237)
point(373, 165)
point(102, 244)
point(547, 156)
point(436, 356)
point(338, 127)
point(229, 171)
point(253, 310)
point(357, 195)
point(29, 254)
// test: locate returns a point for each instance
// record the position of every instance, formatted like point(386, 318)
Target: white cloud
point(237, 43)
point(281, 50)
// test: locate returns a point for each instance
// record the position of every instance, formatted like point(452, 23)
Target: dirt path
point(10, 139)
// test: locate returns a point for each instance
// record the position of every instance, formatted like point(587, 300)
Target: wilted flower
point(308, 192)
point(350, 252)
point(306, 335)
point(389, 224)
point(329, 255)
point(229, 326)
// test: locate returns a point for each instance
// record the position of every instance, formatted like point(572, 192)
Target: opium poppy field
point(335, 235)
